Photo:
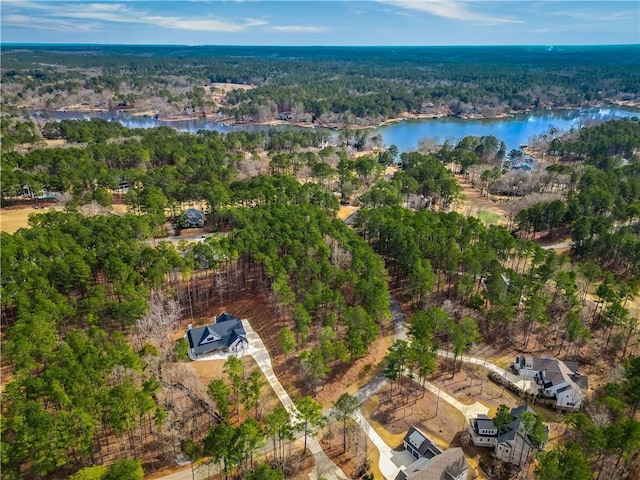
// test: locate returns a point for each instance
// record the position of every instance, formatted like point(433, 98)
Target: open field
point(14, 218)
point(219, 91)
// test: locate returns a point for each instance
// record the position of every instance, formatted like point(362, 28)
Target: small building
point(193, 218)
point(225, 335)
point(448, 465)
point(555, 379)
point(512, 445)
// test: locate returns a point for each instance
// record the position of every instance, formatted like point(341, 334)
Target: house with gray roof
point(418, 444)
point(555, 379)
point(193, 218)
point(225, 335)
point(512, 444)
point(432, 463)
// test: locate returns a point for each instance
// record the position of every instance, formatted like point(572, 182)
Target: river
point(514, 130)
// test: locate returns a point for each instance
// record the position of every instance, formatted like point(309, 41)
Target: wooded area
point(326, 86)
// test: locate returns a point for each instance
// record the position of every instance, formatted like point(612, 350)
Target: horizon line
point(36, 44)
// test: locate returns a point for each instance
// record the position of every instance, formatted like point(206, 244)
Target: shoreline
point(406, 116)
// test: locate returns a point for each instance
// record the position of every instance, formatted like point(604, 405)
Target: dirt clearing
point(478, 205)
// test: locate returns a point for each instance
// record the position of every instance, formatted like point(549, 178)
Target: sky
point(321, 22)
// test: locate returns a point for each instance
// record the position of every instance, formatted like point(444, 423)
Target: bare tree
point(157, 326)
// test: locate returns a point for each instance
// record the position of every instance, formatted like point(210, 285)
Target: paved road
point(399, 326)
point(391, 462)
point(400, 332)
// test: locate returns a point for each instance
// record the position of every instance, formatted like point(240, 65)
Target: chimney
point(189, 326)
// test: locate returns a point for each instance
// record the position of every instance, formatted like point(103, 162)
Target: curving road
point(391, 462)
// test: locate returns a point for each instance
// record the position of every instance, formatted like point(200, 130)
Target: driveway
point(526, 385)
point(325, 468)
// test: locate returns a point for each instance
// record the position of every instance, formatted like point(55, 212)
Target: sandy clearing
point(219, 91)
point(14, 218)
point(11, 220)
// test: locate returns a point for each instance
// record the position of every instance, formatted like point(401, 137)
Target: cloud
point(599, 16)
point(25, 21)
point(65, 15)
point(298, 29)
point(451, 9)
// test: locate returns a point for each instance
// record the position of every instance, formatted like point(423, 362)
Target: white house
point(555, 378)
point(483, 432)
point(512, 445)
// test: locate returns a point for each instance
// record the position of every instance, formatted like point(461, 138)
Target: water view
point(514, 131)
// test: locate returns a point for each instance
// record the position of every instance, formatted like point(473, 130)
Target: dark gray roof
point(226, 330)
point(512, 428)
point(518, 411)
point(419, 441)
point(483, 424)
point(557, 371)
point(193, 214)
point(565, 388)
point(445, 466)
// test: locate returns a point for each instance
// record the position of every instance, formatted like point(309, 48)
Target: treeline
point(346, 85)
point(503, 280)
point(15, 132)
point(617, 138)
point(602, 212)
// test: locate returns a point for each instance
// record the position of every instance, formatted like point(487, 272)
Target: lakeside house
point(512, 445)
point(225, 335)
point(555, 379)
point(432, 463)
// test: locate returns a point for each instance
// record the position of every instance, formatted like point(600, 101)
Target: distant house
point(226, 334)
point(432, 463)
point(555, 378)
point(193, 218)
point(512, 445)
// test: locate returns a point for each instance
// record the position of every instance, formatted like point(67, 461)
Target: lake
point(514, 131)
